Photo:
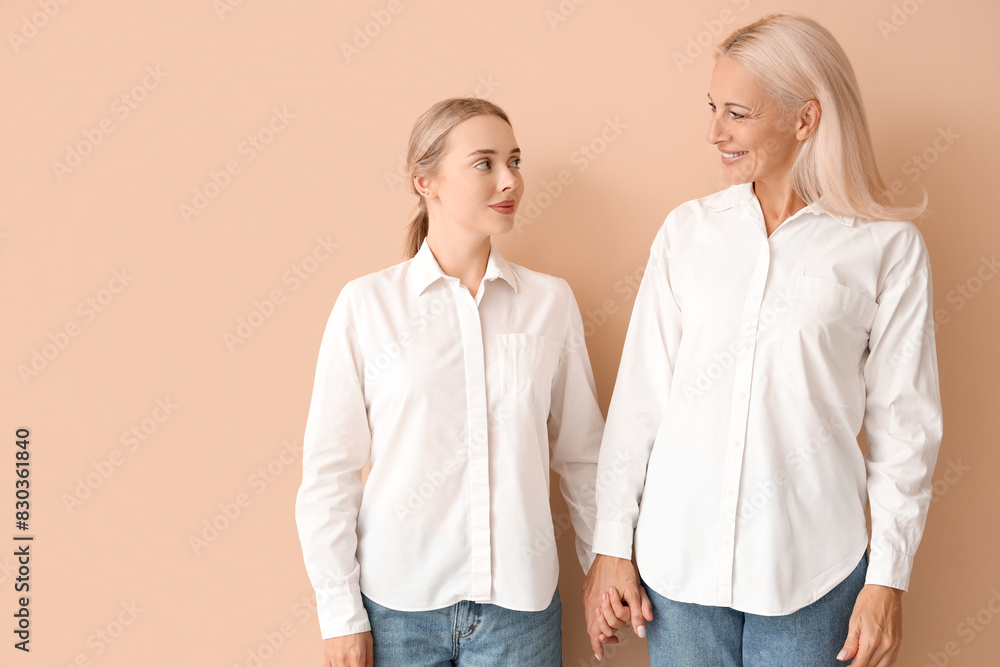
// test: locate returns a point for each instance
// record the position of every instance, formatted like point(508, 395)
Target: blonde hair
point(428, 144)
point(797, 60)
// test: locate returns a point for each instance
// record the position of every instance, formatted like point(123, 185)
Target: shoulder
point(687, 215)
point(899, 249)
point(379, 281)
point(535, 282)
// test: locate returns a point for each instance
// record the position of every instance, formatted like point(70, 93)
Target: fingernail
point(842, 655)
point(641, 631)
point(604, 598)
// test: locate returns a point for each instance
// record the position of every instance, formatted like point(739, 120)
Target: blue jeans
point(466, 634)
point(692, 635)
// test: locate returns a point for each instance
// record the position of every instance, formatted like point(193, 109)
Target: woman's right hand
point(348, 651)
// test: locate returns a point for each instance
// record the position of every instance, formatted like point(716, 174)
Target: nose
point(716, 129)
point(510, 179)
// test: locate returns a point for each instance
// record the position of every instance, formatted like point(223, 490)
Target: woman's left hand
point(876, 627)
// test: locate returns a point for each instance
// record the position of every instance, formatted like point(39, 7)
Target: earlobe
point(422, 184)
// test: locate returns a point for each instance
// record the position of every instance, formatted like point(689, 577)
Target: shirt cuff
point(612, 538)
point(341, 612)
point(889, 568)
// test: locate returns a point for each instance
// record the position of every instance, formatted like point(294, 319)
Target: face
point(478, 184)
point(756, 139)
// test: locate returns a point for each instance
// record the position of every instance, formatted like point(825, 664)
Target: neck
point(460, 256)
point(778, 202)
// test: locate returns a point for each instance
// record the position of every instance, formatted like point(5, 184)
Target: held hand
point(348, 651)
point(609, 582)
point(876, 628)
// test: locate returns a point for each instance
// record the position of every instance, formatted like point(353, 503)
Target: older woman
point(774, 319)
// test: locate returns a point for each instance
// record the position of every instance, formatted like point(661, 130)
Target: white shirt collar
point(425, 270)
point(738, 196)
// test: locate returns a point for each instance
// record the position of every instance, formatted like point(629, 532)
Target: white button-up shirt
point(749, 366)
point(457, 402)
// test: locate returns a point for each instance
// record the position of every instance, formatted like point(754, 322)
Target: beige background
point(116, 548)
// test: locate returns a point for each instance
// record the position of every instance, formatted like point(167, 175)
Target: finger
point(864, 657)
point(619, 610)
point(604, 639)
point(602, 622)
point(647, 606)
point(635, 609)
point(851, 645)
point(595, 644)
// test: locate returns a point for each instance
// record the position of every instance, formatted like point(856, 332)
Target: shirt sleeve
point(575, 425)
point(903, 422)
point(637, 405)
point(336, 446)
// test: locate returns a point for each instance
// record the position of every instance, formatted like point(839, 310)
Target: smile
point(734, 155)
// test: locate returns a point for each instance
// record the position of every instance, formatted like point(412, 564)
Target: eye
point(711, 106)
point(483, 165)
point(516, 163)
point(733, 114)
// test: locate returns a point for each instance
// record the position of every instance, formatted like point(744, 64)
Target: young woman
point(456, 374)
point(774, 319)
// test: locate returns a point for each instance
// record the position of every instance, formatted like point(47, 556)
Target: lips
point(729, 158)
point(505, 207)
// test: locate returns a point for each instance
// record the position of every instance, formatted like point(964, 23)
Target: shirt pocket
point(527, 365)
point(825, 342)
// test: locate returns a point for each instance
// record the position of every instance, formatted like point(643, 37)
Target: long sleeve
point(637, 405)
point(903, 421)
point(336, 446)
point(575, 426)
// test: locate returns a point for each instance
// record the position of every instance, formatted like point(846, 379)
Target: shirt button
point(736, 443)
point(725, 540)
point(743, 394)
point(746, 345)
point(730, 492)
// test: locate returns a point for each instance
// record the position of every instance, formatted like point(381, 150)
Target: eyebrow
point(490, 151)
point(730, 104)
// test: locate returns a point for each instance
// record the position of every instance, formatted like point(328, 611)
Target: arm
point(634, 417)
point(903, 426)
point(574, 427)
point(336, 446)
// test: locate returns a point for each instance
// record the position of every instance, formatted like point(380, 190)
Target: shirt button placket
point(738, 428)
point(478, 443)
